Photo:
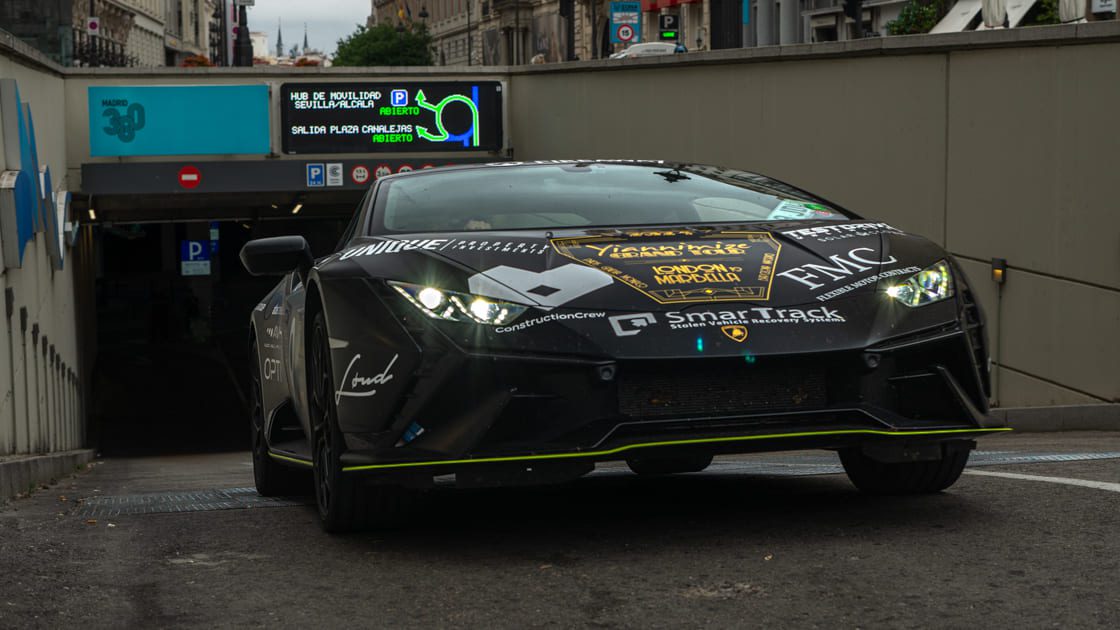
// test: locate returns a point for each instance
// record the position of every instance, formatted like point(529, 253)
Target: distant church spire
point(279, 38)
point(305, 46)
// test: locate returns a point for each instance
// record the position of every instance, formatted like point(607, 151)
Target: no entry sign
point(189, 177)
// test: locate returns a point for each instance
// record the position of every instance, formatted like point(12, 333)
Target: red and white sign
point(189, 177)
point(359, 174)
point(427, 166)
point(93, 26)
point(382, 170)
point(625, 33)
point(405, 168)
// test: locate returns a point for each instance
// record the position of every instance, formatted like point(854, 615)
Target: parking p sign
point(626, 22)
point(316, 175)
point(194, 258)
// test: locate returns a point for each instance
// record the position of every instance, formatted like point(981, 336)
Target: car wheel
point(344, 504)
point(669, 465)
point(271, 478)
point(875, 477)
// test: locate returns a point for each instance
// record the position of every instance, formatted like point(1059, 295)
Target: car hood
point(662, 268)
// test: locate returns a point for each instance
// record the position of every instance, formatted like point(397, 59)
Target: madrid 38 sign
point(381, 117)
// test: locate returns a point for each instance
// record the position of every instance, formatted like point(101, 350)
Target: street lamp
point(423, 12)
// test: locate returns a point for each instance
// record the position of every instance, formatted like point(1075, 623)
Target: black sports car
point(516, 323)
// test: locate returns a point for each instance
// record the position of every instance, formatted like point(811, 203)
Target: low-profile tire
point(344, 503)
point(272, 478)
point(923, 477)
point(669, 465)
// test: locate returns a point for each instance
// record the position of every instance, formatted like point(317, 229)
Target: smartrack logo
point(630, 325)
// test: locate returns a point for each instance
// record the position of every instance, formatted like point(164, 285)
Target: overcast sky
point(327, 20)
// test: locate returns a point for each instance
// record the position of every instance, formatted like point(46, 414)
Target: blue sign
point(399, 98)
point(316, 175)
point(178, 120)
point(190, 251)
point(746, 11)
point(626, 22)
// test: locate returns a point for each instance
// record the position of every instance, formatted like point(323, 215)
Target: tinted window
point(588, 194)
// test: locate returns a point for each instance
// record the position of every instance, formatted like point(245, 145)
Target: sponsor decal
point(629, 325)
point(276, 310)
point(548, 289)
point(260, 307)
point(754, 315)
point(735, 332)
point(866, 281)
point(828, 233)
point(816, 275)
point(394, 246)
point(799, 210)
point(353, 384)
point(273, 370)
point(505, 247)
point(682, 265)
point(273, 332)
point(544, 319)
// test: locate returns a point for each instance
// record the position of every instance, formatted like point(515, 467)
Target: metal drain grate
point(196, 501)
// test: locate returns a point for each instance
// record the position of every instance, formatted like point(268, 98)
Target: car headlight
point(458, 307)
point(932, 284)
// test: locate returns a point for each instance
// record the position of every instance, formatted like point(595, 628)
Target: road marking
point(1098, 485)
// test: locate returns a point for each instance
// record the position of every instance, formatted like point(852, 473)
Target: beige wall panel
point(1063, 332)
point(867, 133)
point(1021, 390)
point(1032, 159)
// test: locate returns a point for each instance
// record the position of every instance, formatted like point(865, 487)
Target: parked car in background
point(647, 49)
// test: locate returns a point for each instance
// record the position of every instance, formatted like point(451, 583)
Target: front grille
point(718, 389)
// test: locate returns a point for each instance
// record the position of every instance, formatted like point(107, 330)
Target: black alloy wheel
point(924, 477)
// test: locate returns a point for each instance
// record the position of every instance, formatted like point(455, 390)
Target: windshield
point(585, 194)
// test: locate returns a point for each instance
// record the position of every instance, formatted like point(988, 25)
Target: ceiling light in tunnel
point(92, 215)
point(297, 208)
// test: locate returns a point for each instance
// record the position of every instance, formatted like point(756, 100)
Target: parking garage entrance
point(172, 305)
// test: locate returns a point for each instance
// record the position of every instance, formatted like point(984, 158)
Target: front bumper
point(926, 387)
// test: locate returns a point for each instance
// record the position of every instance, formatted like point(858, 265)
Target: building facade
point(187, 29)
point(128, 32)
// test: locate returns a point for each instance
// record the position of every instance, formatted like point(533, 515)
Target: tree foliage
point(918, 16)
point(384, 45)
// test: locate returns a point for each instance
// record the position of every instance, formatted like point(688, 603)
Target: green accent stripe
point(294, 460)
point(629, 447)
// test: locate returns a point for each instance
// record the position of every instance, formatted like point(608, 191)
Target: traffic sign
point(383, 170)
point(405, 168)
point(668, 22)
point(626, 22)
point(189, 177)
point(334, 174)
point(359, 174)
point(194, 258)
point(93, 26)
point(316, 175)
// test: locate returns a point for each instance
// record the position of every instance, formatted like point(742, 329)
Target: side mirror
point(277, 255)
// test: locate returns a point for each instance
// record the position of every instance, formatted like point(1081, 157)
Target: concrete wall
point(1007, 151)
point(39, 403)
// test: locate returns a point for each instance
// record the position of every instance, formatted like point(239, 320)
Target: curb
point(20, 475)
point(1104, 417)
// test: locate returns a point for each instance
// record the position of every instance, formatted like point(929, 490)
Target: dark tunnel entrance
point(171, 367)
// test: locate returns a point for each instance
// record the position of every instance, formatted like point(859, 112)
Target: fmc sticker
point(682, 265)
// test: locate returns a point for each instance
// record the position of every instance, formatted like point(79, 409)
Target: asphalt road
point(726, 548)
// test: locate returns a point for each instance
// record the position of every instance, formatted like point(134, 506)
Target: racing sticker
point(682, 265)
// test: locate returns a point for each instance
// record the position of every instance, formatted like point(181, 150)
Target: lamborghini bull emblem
point(682, 265)
point(735, 332)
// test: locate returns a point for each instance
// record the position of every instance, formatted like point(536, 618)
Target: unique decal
point(816, 275)
point(866, 281)
point(735, 332)
point(273, 331)
point(549, 288)
point(629, 325)
point(260, 307)
point(273, 370)
point(688, 266)
point(353, 384)
point(276, 310)
point(679, 320)
point(337, 344)
point(551, 317)
point(394, 246)
point(827, 233)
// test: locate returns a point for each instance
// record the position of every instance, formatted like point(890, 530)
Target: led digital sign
point(383, 117)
